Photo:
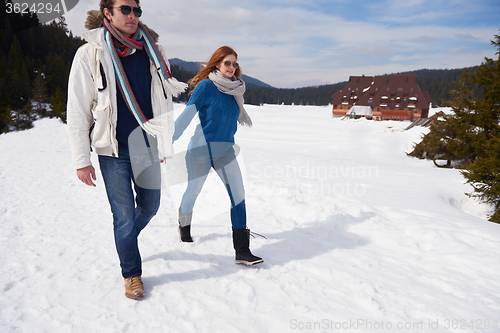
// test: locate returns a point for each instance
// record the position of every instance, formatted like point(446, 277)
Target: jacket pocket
point(101, 134)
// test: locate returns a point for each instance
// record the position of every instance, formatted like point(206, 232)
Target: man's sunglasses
point(229, 63)
point(127, 9)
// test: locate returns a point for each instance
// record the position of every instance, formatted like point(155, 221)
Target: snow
point(360, 110)
point(445, 110)
point(360, 237)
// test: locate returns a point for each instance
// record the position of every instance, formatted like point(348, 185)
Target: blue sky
point(296, 43)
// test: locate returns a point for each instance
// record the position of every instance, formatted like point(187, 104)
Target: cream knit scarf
point(235, 87)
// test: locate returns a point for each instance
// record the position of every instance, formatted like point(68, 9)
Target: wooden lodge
point(394, 97)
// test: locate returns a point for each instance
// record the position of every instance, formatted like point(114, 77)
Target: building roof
point(394, 91)
point(360, 110)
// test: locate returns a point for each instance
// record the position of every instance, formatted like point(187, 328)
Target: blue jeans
point(228, 170)
point(129, 216)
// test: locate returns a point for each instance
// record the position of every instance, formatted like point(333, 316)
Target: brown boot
point(134, 289)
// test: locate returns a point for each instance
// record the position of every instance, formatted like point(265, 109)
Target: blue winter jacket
point(218, 114)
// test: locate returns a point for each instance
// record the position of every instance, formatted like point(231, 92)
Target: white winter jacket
point(92, 104)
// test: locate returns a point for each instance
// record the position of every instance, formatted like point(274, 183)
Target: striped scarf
point(141, 39)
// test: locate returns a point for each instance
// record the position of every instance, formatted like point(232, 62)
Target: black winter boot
point(185, 227)
point(241, 242)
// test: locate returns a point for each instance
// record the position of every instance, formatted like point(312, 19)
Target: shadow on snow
point(301, 243)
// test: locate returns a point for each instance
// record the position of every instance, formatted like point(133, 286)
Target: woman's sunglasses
point(229, 63)
point(127, 9)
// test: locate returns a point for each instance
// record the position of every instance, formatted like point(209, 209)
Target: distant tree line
point(438, 82)
point(319, 95)
point(257, 95)
point(183, 76)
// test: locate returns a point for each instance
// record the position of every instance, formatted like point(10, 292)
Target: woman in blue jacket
point(217, 98)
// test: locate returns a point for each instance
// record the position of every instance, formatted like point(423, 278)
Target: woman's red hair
point(215, 59)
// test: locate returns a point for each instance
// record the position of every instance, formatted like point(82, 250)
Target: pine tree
point(433, 146)
point(40, 96)
point(470, 137)
point(19, 85)
point(484, 176)
point(484, 173)
point(59, 105)
point(4, 105)
point(57, 76)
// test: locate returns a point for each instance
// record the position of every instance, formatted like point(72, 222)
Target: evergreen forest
point(34, 64)
point(438, 82)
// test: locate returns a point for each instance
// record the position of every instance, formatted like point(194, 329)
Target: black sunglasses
point(229, 63)
point(127, 9)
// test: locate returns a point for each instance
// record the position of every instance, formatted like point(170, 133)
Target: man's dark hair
point(110, 3)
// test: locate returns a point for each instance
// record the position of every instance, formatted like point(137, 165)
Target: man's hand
point(86, 175)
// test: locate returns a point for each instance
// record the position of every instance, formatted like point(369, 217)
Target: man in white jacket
point(120, 84)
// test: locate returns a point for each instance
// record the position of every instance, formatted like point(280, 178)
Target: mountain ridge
point(438, 82)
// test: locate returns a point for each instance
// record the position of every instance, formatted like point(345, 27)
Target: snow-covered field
point(360, 238)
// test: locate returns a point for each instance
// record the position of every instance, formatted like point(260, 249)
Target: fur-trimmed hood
point(95, 18)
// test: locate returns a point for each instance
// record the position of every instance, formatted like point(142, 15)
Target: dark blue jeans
point(130, 215)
